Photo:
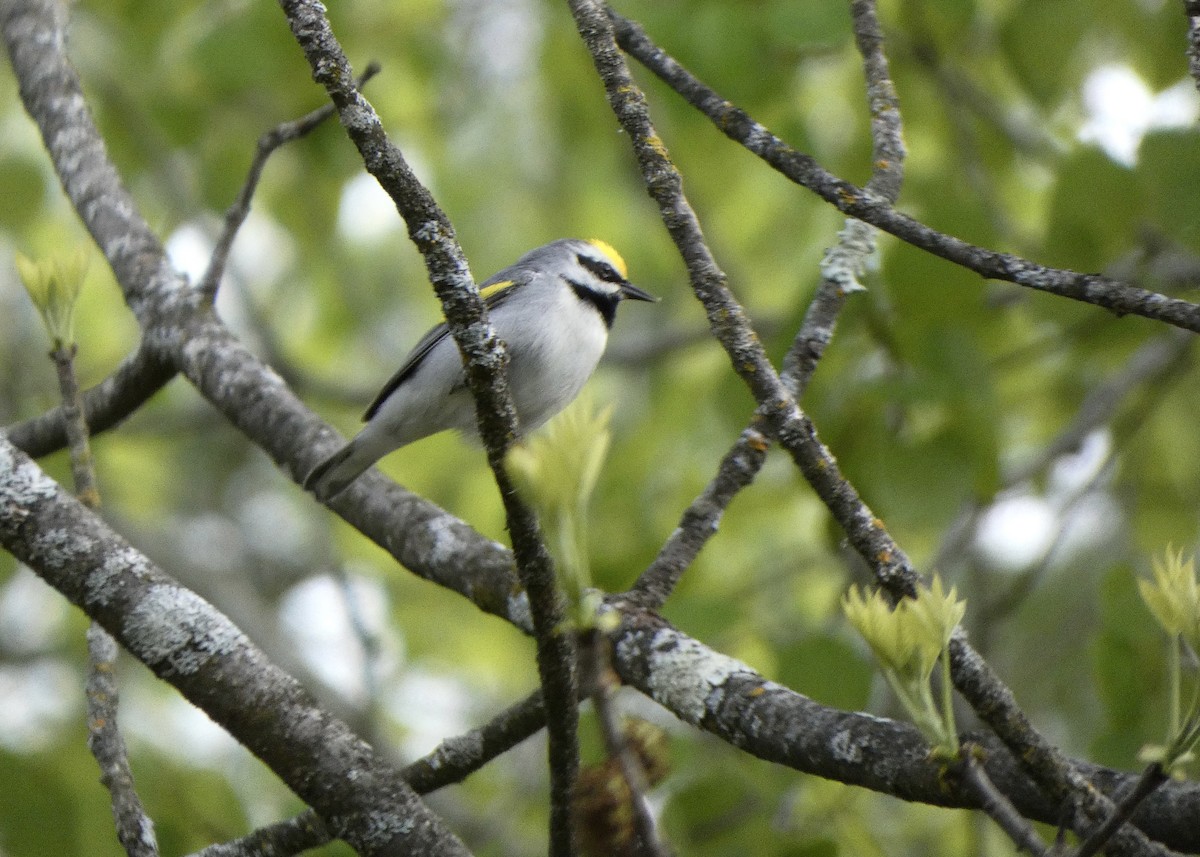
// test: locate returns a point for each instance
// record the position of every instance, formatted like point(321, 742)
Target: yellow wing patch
point(613, 256)
point(495, 288)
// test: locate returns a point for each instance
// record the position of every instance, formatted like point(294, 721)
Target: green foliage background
point(937, 385)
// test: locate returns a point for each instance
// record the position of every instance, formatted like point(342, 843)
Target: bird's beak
point(632, 292)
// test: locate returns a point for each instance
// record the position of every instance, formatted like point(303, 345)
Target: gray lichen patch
point(173, 626)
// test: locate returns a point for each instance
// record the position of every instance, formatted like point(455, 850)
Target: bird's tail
point(331, 476)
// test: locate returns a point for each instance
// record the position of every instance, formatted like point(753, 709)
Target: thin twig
point(450, 762)
point(600, 682)
point(455, 758)
point(1084, 806)
point(1152, 777)
point(1117, 296)
point(235, 216)
point(998, 807)
point(140, 375)
point(135, 830)
point(281, 839)
point(700, 520)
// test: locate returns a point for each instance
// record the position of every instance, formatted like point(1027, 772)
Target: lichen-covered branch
point(188, 643)
point(732, 701)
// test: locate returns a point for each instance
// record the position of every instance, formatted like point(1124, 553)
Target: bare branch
point(700, 520)
point(140, 376)
point(1063, 781)
point(1192, 9)
point(450, 762)
point(1117, 296)
point(135, 830)
point(996, 805)
point(788, 424)
point(34, 35)
point(282, 839)
point(486, 361)
point(1150, 780)
point(728, 699)
point(283, 133)
point(599, 682)
point(840, 271)
point(455, 758)
point(189, 644)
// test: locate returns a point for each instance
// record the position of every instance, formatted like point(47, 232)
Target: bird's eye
point(601, 269)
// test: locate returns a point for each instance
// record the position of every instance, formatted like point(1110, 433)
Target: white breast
point(550, 361)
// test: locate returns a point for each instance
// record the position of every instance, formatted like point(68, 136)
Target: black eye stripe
point(602, 270)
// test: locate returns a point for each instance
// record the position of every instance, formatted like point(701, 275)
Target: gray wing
point(430, 341)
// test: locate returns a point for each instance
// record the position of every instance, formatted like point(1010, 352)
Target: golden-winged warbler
point(553, 308)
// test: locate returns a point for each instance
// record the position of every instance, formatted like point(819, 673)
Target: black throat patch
point(605, 304)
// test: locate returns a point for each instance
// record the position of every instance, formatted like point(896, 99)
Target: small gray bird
point(553, 308)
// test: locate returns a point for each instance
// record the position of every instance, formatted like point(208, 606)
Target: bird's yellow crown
point(613, 256)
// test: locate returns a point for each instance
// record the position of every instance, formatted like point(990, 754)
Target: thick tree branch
point(433, 544)
point(187, 643)
point(34, 35)
point(730, 700)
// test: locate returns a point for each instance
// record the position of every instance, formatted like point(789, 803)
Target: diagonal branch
point(486, 361)
point(1115, 295)
point(840, 271)
point(728, 699)
point(996, 805)
point(35, 38)
point(788, 425)
point(189, 644)
point(450, 762)
point(237, 213)
point(1192, 9)
point(785, 421)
